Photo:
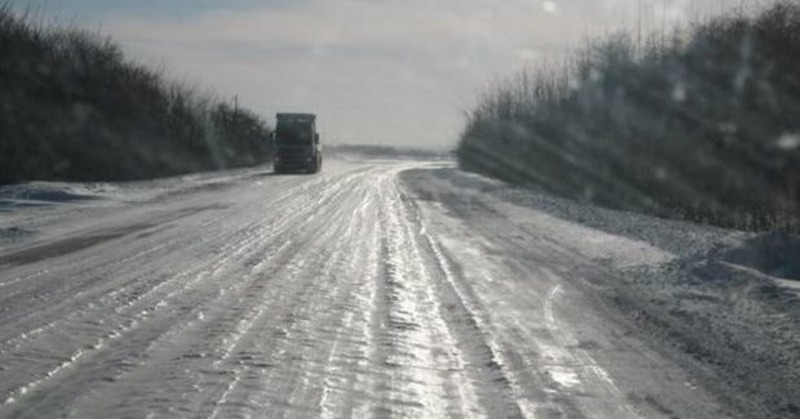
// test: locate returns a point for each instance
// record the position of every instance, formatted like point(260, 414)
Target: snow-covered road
point(336, 295)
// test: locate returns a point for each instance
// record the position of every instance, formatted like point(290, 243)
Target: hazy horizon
point(376, 72)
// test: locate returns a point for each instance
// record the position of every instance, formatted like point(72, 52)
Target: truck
point(296, 143)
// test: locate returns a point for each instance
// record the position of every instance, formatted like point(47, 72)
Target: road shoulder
point(659, 287)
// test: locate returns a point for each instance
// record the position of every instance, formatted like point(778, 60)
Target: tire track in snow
point(540, 383)
point(569, 376)
point(425, 368)
point(247, 323)
point(240, 316)
point(303, 353)
point(500, 386)
point(228, 253)
point(309, 327)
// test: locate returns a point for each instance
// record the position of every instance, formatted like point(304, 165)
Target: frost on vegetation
point(98, 116)
point(706, 106)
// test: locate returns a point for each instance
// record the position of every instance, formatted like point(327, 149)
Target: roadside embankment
point(697, 125)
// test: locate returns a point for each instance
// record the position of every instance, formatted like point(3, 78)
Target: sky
point(390, 72)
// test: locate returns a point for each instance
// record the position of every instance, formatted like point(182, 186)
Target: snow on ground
point(332, 295)
point(351, 293)
point(35, 211)
point(39, 193)
point(724, 301)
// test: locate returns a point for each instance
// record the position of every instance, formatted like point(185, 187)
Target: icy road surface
point(335, 295)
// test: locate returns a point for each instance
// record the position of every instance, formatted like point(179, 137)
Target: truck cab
point(296, 142)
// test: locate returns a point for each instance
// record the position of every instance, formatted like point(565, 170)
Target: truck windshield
point(293, 135)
